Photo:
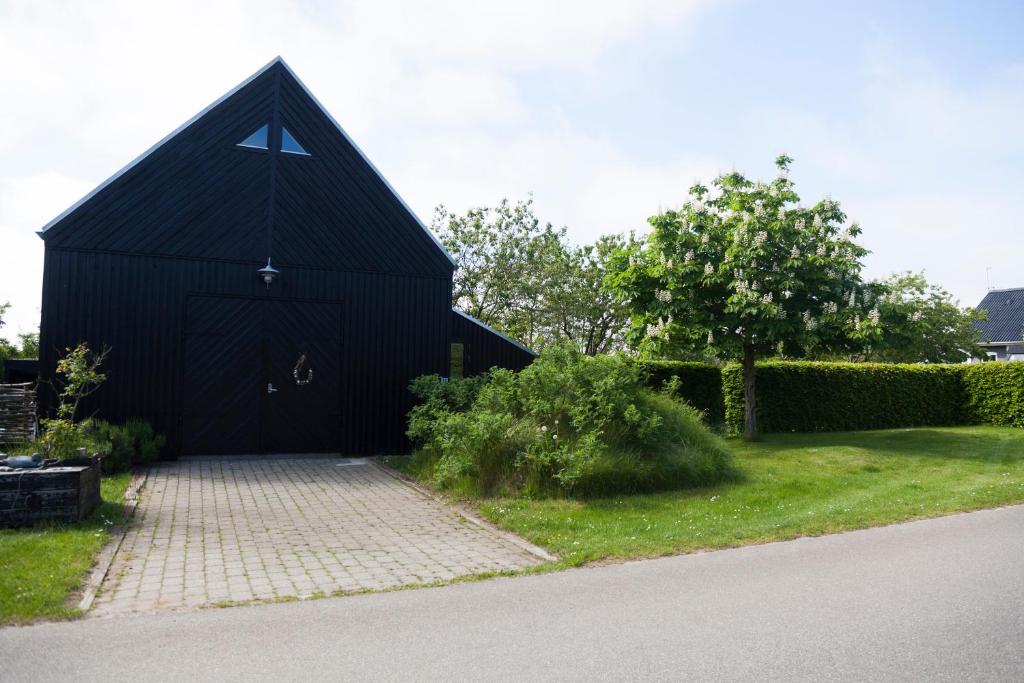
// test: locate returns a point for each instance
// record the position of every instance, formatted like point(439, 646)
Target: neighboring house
point(1002, 335)
point(261, 286)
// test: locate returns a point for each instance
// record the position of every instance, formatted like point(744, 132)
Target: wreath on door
point(296, 373)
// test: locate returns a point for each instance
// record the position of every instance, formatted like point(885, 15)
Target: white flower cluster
point(782, 213)
point(915, 316)
point(786, 294)
point(856, 322)
point(711, 338)
point(742, 286)
point(688, 257)
point(760, 238)
point(759, 210)
point(853, 297)
point(831, 307)
point(874, 316)
point(780, 313)
point(817, 222)
point(809, 322)
point(705, 238)
point(767, 298)
point(697, 206)
point(755, 286)
point(800, 224)
point(663, 295)
point(821, 249)
point(708, 269)
point(659, 328)
point(794, 252)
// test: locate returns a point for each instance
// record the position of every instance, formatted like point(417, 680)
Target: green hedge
point(700, 385)
point(995, 393)
point(821, 397)
point(799, 396)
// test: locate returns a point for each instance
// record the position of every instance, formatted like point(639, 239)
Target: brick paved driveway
point(213, 530)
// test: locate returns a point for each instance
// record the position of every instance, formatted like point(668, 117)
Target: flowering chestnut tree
point(744, 271)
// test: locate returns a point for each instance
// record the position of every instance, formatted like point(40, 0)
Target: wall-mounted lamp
point(268, 273)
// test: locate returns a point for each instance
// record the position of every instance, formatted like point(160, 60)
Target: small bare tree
point(79, 376)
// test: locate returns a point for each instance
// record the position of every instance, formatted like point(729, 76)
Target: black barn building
point(260, 285)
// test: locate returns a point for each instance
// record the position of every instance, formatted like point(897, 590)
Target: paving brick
point(209, 530)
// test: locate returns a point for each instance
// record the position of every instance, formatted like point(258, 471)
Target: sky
point(907, 113)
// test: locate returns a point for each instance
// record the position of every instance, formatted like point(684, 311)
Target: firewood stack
point(17, 412)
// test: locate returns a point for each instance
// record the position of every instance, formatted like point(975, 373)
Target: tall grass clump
point(566, 425)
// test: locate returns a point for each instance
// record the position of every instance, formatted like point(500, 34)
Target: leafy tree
point(79, 376)
point(744, 272)
point(29, 345)
point(7, 349)
point(581, 307)
point(523, 278)
point(504, 257)
point(921, 322)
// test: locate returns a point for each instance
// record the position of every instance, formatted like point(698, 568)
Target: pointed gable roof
point(1005, 322)
point(157, 203)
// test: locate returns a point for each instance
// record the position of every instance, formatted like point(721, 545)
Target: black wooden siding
point(197, 216)
point(199, 195)
point(484, 349)
point(395, 328)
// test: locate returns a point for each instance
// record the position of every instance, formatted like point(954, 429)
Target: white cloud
point(929, 166)
point(954, 238)
point(437, 95)
point(25, 202)
point(431, 92)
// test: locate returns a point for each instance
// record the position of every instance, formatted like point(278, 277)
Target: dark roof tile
point(1005, 315)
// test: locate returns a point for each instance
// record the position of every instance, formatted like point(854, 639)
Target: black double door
point(261, 376)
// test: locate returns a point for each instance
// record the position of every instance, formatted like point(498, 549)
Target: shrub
point(567, 424)
point(995, 393)
point(147, 444)
point(437, 398)
point(120, 447)
point(61, 439)
point(699, 384)
point(820, 397)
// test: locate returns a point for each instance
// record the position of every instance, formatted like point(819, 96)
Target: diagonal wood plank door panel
point(302, 417)
point(222, 375)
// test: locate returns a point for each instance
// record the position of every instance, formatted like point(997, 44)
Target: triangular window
point(257, 140)
point(290, 144)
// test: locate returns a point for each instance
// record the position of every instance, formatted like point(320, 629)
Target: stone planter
point(66, 492)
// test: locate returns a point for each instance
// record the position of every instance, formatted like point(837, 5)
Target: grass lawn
point(43, 565)
point(793, 485)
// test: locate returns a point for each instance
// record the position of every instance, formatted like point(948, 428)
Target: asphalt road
point(940, 599)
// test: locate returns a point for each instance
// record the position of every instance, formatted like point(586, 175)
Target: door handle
point(270, 388)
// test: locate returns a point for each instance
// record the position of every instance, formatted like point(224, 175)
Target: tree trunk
point(749, 397)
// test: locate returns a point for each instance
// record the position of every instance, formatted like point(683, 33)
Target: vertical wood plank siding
point(193, 216)
point(136, 306)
